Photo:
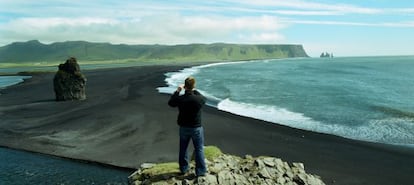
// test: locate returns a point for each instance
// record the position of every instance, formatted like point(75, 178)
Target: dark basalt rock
point(69, 83)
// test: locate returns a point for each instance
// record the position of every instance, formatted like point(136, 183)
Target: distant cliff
point(34, 51)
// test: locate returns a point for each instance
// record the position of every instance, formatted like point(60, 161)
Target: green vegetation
point(210, 152)
point(163, 168)
point(36, 53)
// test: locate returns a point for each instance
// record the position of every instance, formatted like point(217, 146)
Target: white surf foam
point(269, 113)
point(388, 131)
point(391, 131)
point(174, 79)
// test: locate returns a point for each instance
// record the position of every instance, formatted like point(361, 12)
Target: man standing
point(189, 120)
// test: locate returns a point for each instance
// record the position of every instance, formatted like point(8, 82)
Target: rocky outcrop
point(326, 55)
point(229, 170)
point(69, 83)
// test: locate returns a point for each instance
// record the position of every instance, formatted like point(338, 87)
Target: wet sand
point(126, 122)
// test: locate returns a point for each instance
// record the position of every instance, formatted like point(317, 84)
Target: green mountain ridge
point(34, 51)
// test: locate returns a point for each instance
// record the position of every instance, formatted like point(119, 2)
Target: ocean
point(362, 98)
point(11, 80)
point(23, 168)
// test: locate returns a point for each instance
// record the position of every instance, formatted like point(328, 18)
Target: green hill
point(34, 51)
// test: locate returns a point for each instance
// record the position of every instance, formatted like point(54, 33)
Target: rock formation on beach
point(228, 169)
point(69, 83)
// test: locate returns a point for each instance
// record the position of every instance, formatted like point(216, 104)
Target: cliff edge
point(227, 169)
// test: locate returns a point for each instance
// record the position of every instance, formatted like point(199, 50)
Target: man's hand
point(180, 87)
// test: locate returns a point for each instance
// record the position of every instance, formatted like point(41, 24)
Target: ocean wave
point(177, 78)
point(397, 130)
point(390, 131)
point(211, 100)
point(399, 113)
point(272, 114)
point(173, 79)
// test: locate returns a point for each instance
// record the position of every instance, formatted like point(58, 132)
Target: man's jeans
point(197, 135)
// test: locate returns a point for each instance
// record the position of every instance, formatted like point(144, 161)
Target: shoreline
point(120, 124)
point(96, 163)
point(214, 102)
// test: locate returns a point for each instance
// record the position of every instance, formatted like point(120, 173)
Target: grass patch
point(212, 152)
point(164, 171)
point(163, 168)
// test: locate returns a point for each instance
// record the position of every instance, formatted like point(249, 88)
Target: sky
point(344, 28)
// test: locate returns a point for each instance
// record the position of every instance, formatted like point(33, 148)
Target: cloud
point(117, 9)
point(179, 21)
point(298, 12)
point(161, 29)
point(406, 24)
point(300, 5)
point(405, 11)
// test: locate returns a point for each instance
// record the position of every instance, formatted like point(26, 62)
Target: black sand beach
point(126, 122)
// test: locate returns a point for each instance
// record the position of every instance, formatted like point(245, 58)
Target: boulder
point(69, 83)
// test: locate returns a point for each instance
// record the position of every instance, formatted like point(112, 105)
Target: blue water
point(11, 80)
point(363, 98)
point(22, 168)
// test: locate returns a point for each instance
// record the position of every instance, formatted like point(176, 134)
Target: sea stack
point(69, 83)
